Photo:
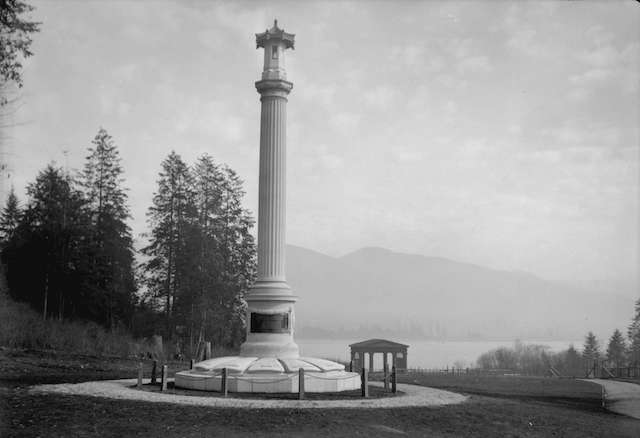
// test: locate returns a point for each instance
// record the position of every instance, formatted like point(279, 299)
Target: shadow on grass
point(375, 392)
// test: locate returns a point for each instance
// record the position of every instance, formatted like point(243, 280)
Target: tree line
point(69, 252)
point(620, 352)
point(538, 360)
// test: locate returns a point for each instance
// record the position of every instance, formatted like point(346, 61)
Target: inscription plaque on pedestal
point(269, 323)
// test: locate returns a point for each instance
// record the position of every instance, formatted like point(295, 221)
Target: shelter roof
point(377, 344)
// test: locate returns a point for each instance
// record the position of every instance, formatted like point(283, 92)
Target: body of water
point(423, 354)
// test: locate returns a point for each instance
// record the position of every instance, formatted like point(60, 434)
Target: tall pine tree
point(591, 349)
point(201, 252)
point(110, 245)
point(616, 349)
point(10, 217)
point(228, 252)
point(633, 334)
point(238, 255)
point(171, 217)
point(44, 255)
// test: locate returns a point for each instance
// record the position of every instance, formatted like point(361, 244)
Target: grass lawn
point(560, 391)
point(502, 408)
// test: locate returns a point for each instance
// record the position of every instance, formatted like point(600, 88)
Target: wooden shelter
point(398, 353)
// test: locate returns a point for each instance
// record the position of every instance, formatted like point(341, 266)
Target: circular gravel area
point(123, 389)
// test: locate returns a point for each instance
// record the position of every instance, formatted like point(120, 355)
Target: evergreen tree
point(238, 254)
point(171, 217)
point(633, 334)
point(616, 349)
point(205, 300)
point(110, 245)
point(591, 350)
point(229, 255)
point(11, 216)
point(202, 255)
point(572, 362)
point(44, 256)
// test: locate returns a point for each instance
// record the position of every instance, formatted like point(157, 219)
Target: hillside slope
point(378, 287)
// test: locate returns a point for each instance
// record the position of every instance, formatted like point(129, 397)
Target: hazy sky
point(499, 133)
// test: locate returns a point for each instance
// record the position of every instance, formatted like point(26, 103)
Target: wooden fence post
point(140, 371)
point(207, 350)
point(191, 364)
point(154, 371)
point(351, 366)
point(394, 379)
point(224, 387)
point(364, 383)
point(165, 375)
point(386, 376)
point(300, 383)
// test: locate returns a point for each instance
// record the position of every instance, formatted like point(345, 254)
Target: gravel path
point(621, 397)
point(122, 389)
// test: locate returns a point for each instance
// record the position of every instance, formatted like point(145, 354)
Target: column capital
point(274, 87)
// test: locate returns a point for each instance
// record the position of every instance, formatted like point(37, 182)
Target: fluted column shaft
point(272, 188)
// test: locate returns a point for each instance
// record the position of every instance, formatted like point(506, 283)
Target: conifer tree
point(202, 254)
point(11, 216)
point(110, 245)
point(229, 251)
point(633, 334)
point(171, 218)
point(238, 255)
point(45, 253)
point(616, 349)
point(572, 362)
point(591, 350)
point(207, 187)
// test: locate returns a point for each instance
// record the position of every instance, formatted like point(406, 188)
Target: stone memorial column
point(270, 313)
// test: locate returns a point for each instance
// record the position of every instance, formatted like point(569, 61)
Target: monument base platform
point(268, 375)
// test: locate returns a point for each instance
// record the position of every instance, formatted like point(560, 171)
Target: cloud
point(522, 40)
point(611, 65)
point(606, 56)
point(379, 97)
point(211, 119)
point(405, 154)
point(125, 73)
point(331, 161)
point(409, 55)
point(593, 75)
point(578, 94)
point(346, 122)
point(323, 94)
point(451, 81)
point(474, 64)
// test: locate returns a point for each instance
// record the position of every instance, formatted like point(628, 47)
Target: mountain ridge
point(440, 297)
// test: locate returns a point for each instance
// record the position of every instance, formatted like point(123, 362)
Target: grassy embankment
point(578, 393)
point(24, 328)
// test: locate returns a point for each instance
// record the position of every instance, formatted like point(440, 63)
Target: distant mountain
point(374, 290)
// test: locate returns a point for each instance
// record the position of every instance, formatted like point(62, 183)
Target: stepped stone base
point(268, 375)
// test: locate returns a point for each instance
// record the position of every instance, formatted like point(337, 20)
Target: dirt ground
point(504, 408)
